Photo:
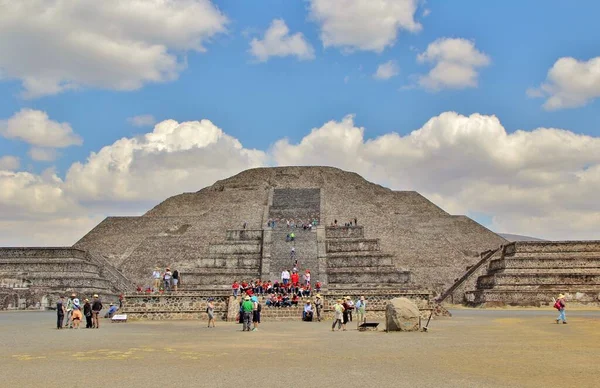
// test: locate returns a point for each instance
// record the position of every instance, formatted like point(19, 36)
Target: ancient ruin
point(366, 239)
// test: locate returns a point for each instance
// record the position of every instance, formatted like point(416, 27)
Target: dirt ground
point(475, 348)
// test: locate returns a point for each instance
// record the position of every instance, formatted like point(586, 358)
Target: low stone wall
point(58, 252)
point(173, 306)
point(234, 247)
point(244, 234)
point(352, 245)
point(344, 232)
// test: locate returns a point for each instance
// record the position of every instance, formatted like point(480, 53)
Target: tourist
point(112, 309)
point(346, 311)
point(247, 308)
point(292, 236)
point(350, 305)
point(87, 312)
point(307, 314)
point(285, 277)
point(68, 321)
point(355, 221)
point(76, 314)
point(295, 300)
point(318, 306)
point(255, 313)
point(167, 279)
point(96, 308)
point(338, 311)
point(156, 279)
point(293, 253)
point(210, 310)
point(60, 312)
point(244, 225)
point(120, 301)
point(175, 277)
point(361, 309)
point(560, 305)
point(307, 277)
point(295, 279)
point(318, 286)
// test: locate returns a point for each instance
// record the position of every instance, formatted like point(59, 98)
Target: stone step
point(244, 235)
point(552, 279)
point(367, 261)
point(351, 245)
point(531, 297)
point(229, 262)
point(61, 267)
point(234, 247)
point(356, 232)
point(52, 274)
point(555, 255)
point(526, 262)
point(558, 246)
point(218, 276)
point(367, 275)
point(546, 271)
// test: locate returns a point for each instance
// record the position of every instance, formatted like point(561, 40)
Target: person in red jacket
point(295, 279)
point(236, 288)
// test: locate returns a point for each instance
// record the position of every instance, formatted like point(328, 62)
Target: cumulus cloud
point(368, 25)
point(35, 127)
point(278, 42)
point(541, 182)
point(142, 120)
point(108, 44)
point(456, 62)
point(43, 154)
point(387, 70)
point(174, 157)
point(9, 162)
point(570, 83)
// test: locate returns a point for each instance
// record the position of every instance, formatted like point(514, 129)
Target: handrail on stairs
point(467, 275)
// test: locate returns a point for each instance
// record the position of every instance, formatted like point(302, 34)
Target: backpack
point(558, 305)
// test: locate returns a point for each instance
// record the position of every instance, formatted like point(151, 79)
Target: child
point(76, 317)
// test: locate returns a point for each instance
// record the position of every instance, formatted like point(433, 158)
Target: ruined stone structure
point(533, 273)
point(36, 277)
point(402, 245)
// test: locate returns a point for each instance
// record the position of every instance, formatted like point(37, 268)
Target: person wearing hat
point(560, 306)
point(338, 311)
point(350, 304)
point(318, 306)
point(87, 312)
point(156, 279)
point(96, 308)
point(307, 314)
point(69, 310)
point(361, 309)
point(111, 311)
point(210, 310)
point(247, 307)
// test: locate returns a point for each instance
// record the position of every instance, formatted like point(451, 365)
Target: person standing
point(68, 320)
point(560, 305)
point(346, 312)
point(318, 306)
point(77, 316)
point(255, 313)
point(338, 311)
point(175, 279)
point(247, 308)
point(285, 277)
point(350, 305)
point(60, 312)
point(167, 279)
point(210, 310)
point(361, 309)
point(87, 312)
point(156, 279)
point(96, 308)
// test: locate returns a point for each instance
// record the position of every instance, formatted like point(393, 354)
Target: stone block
point(402, 315)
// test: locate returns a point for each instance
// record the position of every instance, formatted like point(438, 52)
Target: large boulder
point(401, 315)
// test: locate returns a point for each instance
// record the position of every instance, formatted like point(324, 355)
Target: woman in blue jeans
point(560, 302)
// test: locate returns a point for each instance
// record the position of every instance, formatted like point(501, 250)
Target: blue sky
point(260, 103)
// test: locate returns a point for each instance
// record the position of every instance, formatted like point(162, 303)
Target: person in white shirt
point(156, 279)
point(167, 279)
point(285, 277)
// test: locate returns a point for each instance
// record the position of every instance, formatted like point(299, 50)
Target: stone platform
point(533, 273)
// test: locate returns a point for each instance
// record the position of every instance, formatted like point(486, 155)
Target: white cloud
point(43, 154)
point(543, 182)
point(142, 120)
point(570, 83)
point(456, 63)
point(35, 127)
point(278, 42)
point(369, 25)
point(426, 12)
point(57, 45)
point(387, 70)
point(9, 163)
point(174, 157)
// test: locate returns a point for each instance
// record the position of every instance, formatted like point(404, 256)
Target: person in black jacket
point(96, 308)
point(175, 278)
point(87, 312)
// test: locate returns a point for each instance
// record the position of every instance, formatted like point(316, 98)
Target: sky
point(489, 109)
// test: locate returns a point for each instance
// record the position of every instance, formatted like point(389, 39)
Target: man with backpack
point(560, 305)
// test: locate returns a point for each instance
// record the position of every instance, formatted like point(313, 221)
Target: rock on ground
point(401, 315)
